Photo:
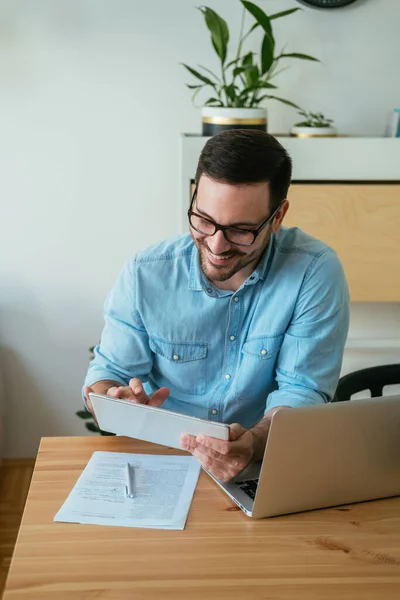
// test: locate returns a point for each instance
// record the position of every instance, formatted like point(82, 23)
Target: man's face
point(244, 206)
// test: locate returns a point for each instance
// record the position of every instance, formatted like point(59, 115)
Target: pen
point(129, 476)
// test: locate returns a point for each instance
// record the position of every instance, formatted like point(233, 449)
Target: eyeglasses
point(234, 235)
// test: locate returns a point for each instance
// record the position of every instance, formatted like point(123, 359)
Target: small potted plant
point(245, 79)
point(313, 125)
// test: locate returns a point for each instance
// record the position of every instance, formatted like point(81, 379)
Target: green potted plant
point(245, 78)
point(313, 125)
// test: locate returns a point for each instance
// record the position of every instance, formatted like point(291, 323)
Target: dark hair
point(238, 156)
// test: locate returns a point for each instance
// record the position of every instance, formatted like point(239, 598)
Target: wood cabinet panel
point(362, 223)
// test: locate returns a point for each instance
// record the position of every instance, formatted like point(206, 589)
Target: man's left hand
point(223, 459)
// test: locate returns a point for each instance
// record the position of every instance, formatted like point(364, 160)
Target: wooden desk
point(347, 553)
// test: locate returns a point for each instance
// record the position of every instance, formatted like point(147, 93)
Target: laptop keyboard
point(249, 487)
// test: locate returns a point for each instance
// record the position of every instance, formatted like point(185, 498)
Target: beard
point(237, 260)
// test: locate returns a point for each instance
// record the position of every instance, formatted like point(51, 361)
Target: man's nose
point(218, 244)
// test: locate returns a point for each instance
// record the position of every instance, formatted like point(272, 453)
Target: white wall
point(92, 101)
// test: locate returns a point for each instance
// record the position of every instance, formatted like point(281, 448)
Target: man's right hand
point(134, 392)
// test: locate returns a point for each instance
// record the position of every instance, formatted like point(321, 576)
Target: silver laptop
point(327, 455)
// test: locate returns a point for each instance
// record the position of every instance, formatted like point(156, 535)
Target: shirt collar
point(195, 273)
point(261, 271)
point(197, 279)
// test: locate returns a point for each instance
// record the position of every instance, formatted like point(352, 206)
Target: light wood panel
point(15, 477)
point(350, 552)
point(362, 223)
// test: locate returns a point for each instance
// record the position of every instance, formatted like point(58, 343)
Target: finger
point(210, 452)
point(88, 390)
point(159, 397)
point(235, 462)
point(220, 470)
point(122, 392)
point(224, 448)
point(206, 461)
point(219, 446)
point(188, 442)
point(235, 431)
point(114, 392)
point(139, 395)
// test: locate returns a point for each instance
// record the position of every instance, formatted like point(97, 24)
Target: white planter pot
point(216, 119)
point(307, 132)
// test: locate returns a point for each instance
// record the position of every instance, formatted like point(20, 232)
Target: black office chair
point(373, 379)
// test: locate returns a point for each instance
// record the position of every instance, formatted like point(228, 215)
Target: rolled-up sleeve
point(124, 350)
point(310, 359)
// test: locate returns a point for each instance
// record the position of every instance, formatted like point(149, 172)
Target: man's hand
point(223, 459)
point(134, 392)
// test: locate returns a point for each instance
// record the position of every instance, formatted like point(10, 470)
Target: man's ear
point(280, 215)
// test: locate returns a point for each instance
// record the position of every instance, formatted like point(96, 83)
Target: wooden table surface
point(350, 552)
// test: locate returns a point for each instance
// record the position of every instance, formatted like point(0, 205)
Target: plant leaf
point(213, 102)
point(251, 70)
point(260, 85)
point(298, 55)
point(258, 100)
point(232, 62)
point(92, 427)
point(231, 92)
point(284, 101)
point(250, 31)
point(252, 75)
point(253, 28)
point(259, 15)
point(194, 87)
point(199, 75)
point(195, 94)
point(284, 13)
point(84, 414)
point(238, 70)
point(219, 31)
point(210, 72)
point(266, 84)
point(267, 53)
point(248, 59)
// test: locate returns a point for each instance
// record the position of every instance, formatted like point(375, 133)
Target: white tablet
point(149, 423)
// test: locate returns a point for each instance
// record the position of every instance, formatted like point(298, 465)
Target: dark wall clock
point(327, 3)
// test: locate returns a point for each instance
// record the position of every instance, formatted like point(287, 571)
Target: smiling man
point(239, 319)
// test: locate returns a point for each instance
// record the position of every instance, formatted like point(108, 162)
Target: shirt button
point(236, 299)
point(227, 376)
point(263, 352)
point(232, 338)
point(214, 411)
point(209, 291)
point(175, 357)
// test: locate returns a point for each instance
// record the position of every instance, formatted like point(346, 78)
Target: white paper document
point(162, 488)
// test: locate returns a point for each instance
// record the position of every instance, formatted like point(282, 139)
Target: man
point(239, 319)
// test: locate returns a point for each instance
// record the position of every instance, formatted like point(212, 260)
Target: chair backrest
point(373, 379)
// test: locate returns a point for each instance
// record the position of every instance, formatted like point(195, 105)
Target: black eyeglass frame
point(223, 228)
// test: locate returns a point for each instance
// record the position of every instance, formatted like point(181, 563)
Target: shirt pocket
point(257, 378)
point(180, 365)
point(263, 347)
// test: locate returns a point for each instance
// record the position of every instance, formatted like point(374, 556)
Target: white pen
point(129, 476)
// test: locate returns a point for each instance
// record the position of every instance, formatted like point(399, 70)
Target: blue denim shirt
point(228, 356)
